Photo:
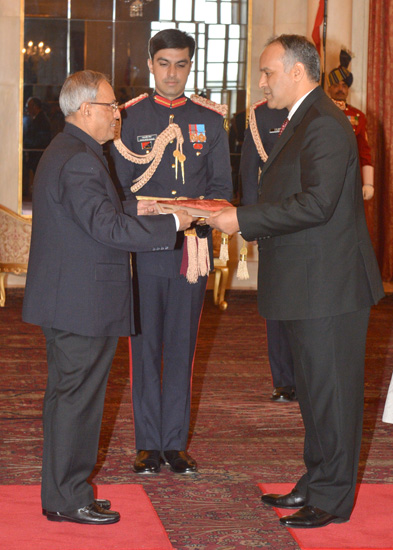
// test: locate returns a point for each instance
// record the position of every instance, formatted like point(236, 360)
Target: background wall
point(347, 26)
point(11, 27)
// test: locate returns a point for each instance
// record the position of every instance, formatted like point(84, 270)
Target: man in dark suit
point(78, 289)
point(317, 272)
point(259, 139)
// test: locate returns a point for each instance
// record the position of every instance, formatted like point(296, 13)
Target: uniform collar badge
point(178, 102)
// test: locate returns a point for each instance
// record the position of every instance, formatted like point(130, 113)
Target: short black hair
point(171, 39)
point(299, 49)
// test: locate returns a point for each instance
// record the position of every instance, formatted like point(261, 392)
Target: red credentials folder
point(198, 208)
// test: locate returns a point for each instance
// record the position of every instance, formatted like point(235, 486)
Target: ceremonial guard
point(185, 146)
point(339, 82)
point(259, 139)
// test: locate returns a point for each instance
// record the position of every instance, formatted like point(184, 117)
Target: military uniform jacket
point(269, 122)
point(78, 276)
point(207, 166)
point(359, 124)
point(315, 254)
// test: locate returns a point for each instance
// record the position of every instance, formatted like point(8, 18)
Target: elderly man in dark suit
point(78, 289)
point(317, 272)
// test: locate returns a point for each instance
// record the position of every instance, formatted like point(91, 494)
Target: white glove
point(368, 182)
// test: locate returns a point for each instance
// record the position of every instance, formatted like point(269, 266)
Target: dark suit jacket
point(78, 276)
point(315, 253)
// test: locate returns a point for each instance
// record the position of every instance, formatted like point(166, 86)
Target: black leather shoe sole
point(284, 395)
point(147, 470)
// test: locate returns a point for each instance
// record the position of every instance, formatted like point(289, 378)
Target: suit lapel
point(96, 151)
point(290, 130)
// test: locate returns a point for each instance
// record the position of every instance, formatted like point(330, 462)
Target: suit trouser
point(280, 356)
point(169, 314)
point(329, 355)
point(78, 369)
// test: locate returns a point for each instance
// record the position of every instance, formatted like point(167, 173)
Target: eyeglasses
point(114, 104)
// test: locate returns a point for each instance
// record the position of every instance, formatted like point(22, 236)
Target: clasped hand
point(149, 208)
point(224, 220)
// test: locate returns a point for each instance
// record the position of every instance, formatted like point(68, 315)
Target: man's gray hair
point(299, 49)
point(78, 88)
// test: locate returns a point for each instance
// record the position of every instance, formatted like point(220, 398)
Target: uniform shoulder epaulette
point(254, 131)
point(133, 101)
point(204, 102)
point(257, 104)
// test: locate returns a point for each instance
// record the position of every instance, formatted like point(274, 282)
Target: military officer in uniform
point(189, 146)
point(259, 139)
point(339, 82)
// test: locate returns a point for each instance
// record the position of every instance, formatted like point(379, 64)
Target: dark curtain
point(379, 210)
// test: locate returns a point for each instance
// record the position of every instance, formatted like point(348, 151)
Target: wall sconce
point(136, 7)
point(37, 51)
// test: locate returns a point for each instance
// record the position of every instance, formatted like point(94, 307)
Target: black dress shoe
point(180, 462)
point(103, 502)
point(92, 514)
point(310, 517)
point(147, 462)
point(291, 500)
point(284, 394)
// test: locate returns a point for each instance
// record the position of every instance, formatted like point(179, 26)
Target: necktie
point(283, 126)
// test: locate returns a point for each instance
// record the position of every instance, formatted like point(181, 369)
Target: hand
point(368, 192)
point(368, 181)
point(147, 208)
point(185, 220)
point(224, 220)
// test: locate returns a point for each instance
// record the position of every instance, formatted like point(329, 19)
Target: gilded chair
point(15, 235)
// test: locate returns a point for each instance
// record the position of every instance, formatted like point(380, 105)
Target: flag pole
point(324, 32)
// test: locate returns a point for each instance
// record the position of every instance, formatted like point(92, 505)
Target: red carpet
point(370, 526)
point(24, 528)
